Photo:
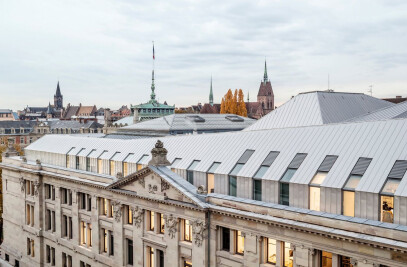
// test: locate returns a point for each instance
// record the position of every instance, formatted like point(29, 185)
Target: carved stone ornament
point(171, 224)
point(159, 155)
point(164, 185)
point(152, 189)
point(142, 181)
point(22, 184)
point(311, 251)
point(37, 186)
point(119, 175)
point(138, 216)
point(117, 210)
point(354, 261)
point(38, 162)
point(198, 229)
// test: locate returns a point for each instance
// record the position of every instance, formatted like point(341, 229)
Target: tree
point(242, 111)
point(223, 106)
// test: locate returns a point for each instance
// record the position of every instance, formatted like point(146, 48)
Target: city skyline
point(104, 55)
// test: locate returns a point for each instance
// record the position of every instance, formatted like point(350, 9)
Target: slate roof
point(7, 111)
point(316, 108)
point(126, 120)
point(17, 124)
point(74, 125)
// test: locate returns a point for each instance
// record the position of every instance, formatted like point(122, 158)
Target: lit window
point(187, 231)
point(314, 197)
point(152, 220)
point(125, 169)
point(271, 250)
point(210, 180)
point(239, 242)
point(288, 255)
point(326, 259)
point(348, 203)
point(112, 169)
point(386, 209)
point(100, 170)
point(162, 223)
point(187, 263)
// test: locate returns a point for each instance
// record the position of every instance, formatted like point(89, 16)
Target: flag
point(153, 52)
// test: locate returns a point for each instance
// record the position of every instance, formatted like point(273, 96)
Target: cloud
point(101, 50)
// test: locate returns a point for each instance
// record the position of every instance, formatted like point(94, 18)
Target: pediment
point(149, 184)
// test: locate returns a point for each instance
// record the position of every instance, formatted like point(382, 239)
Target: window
point(187, 230)
point(29, 216)
point(66, 226)
point(129, 251)
point(105, 238)
point(190, 171)
point(266, 164)
point(49, 192)
point(111, 243)
point(285, 179)
point(239, 242)
point(29, 188)
point(257, 190)
point(225, 239)
point(317, 180)
point(152, 223)
point(67, 158)
point(77, 162)
point(128, 214)
point(66, 196)
point(271, 250)
point(387, 194)
point(188, 263)
point(232, 186)
point(50, 220)
point(86, 234)
point(50, 255)
point(142, 161)
point(174, 163)
point(66, 260)
point(326, 259)
point(30, 247)
point(288, 255)
point(125, 169)
point(85, 201)
point(162, 223)
point(151, 260)
point(112, 169)
point(210, 177)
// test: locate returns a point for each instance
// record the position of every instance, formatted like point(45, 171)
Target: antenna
point(328, 83)
point(370, 90)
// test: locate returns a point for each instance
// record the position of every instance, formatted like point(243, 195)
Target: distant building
point(51, 111)
point(255, 110)
point(152, 109)
point(7, 115)
point(187, 124)
point(79, 113)
point(22, 133)
point(396, 100)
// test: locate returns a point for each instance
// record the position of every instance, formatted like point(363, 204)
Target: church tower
point(211, 95)
point(58, 99)
point(266, 95)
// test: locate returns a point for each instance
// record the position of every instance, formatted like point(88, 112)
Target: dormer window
point(285, 179)
point(190, 171)
point(233, 174)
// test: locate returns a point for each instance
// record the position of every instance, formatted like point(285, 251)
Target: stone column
point(199, 243)
point(95, 225)
point(303, 256)
point(252, 253)
point(335, 260)
point(138, 230)
point(279, 253)
point(75, 217)
point(172, 237)
point(58, 213)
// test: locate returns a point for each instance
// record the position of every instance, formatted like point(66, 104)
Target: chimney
point(159, 155)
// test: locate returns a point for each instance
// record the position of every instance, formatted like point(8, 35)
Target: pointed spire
point(152, 95)
point(211, 94)
point(49, 109)
point(248, 98)
point(58, 92)
point(265, 77)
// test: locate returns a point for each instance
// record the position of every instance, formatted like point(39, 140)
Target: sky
point(101, 50)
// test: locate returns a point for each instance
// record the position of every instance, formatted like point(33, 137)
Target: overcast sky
point(101, 50)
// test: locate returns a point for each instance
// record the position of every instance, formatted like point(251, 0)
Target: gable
point(148, 184)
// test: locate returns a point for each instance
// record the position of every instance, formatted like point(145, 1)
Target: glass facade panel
point(213, 168)
point(349, 203)
point(236, 169)
point(257, 190)
point(284, 194)
point(260, 173)
point(314, 197)
point(352, 182)
point(326, 260)
point(193, 165)
point(289, 173)
point(391, 186)
point(271, 251)
point(319, 178)
point(187, 231)
point(386, 209)
point(232, 186)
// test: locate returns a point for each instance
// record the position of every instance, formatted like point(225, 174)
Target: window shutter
point(361, 166)
point(296, 162)
point(327, 164)
point(399, 169)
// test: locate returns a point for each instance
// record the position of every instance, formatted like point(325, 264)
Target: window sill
point(227, 255)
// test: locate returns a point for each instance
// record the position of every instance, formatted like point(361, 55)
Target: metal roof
point(316, 108)
point(192, 122)
point(394, 111)
point(383, 141)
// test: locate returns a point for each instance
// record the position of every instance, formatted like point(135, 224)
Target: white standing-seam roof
point(393, 112)
point(316, 108)
point(383, 141)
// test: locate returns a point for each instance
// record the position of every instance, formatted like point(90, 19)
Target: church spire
point(211, 95)
point(58, 92)
point(265, 77)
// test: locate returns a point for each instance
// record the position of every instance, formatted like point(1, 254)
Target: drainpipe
point(209, 238)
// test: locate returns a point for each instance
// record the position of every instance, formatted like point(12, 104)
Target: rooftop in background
point(188, 123)
point(319, 107)
point(396, 100)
